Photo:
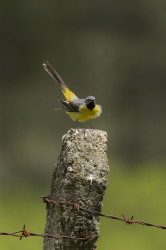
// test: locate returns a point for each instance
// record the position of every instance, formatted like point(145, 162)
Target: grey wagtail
point(80, 110)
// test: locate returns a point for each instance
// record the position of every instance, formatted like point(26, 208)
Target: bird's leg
point(89, 125)
point(78, 124)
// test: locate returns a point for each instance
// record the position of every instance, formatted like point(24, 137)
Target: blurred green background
point(114, 50)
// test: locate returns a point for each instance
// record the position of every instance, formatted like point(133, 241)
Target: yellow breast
point(85, 114)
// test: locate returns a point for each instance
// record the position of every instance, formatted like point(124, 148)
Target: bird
point(80, 110)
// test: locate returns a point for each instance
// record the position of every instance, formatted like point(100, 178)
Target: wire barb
point(24, 233)
point(128, 221)
point(76, 207)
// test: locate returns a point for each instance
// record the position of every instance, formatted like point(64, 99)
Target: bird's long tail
point(69, 95)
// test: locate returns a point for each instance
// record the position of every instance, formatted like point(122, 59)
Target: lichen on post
point(80, 177)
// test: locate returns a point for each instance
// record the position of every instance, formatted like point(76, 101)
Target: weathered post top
point(80, 177)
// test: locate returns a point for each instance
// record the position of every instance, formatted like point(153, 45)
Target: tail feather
point(69, 95)
point(51, 71)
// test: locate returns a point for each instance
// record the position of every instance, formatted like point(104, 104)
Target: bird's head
point(90, 102)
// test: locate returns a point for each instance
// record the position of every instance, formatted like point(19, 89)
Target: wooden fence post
point(80, 176)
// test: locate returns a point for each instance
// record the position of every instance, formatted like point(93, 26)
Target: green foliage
point(139, 192)
point(19, 209)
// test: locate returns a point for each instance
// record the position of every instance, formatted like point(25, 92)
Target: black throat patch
point(91, 105)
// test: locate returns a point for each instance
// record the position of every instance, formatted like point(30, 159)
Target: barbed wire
point(73, 206)
point(77, 207)
point(25, 233)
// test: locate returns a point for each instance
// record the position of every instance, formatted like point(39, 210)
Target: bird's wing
point(69, 106)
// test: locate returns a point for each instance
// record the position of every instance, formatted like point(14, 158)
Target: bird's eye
point(90, 98)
